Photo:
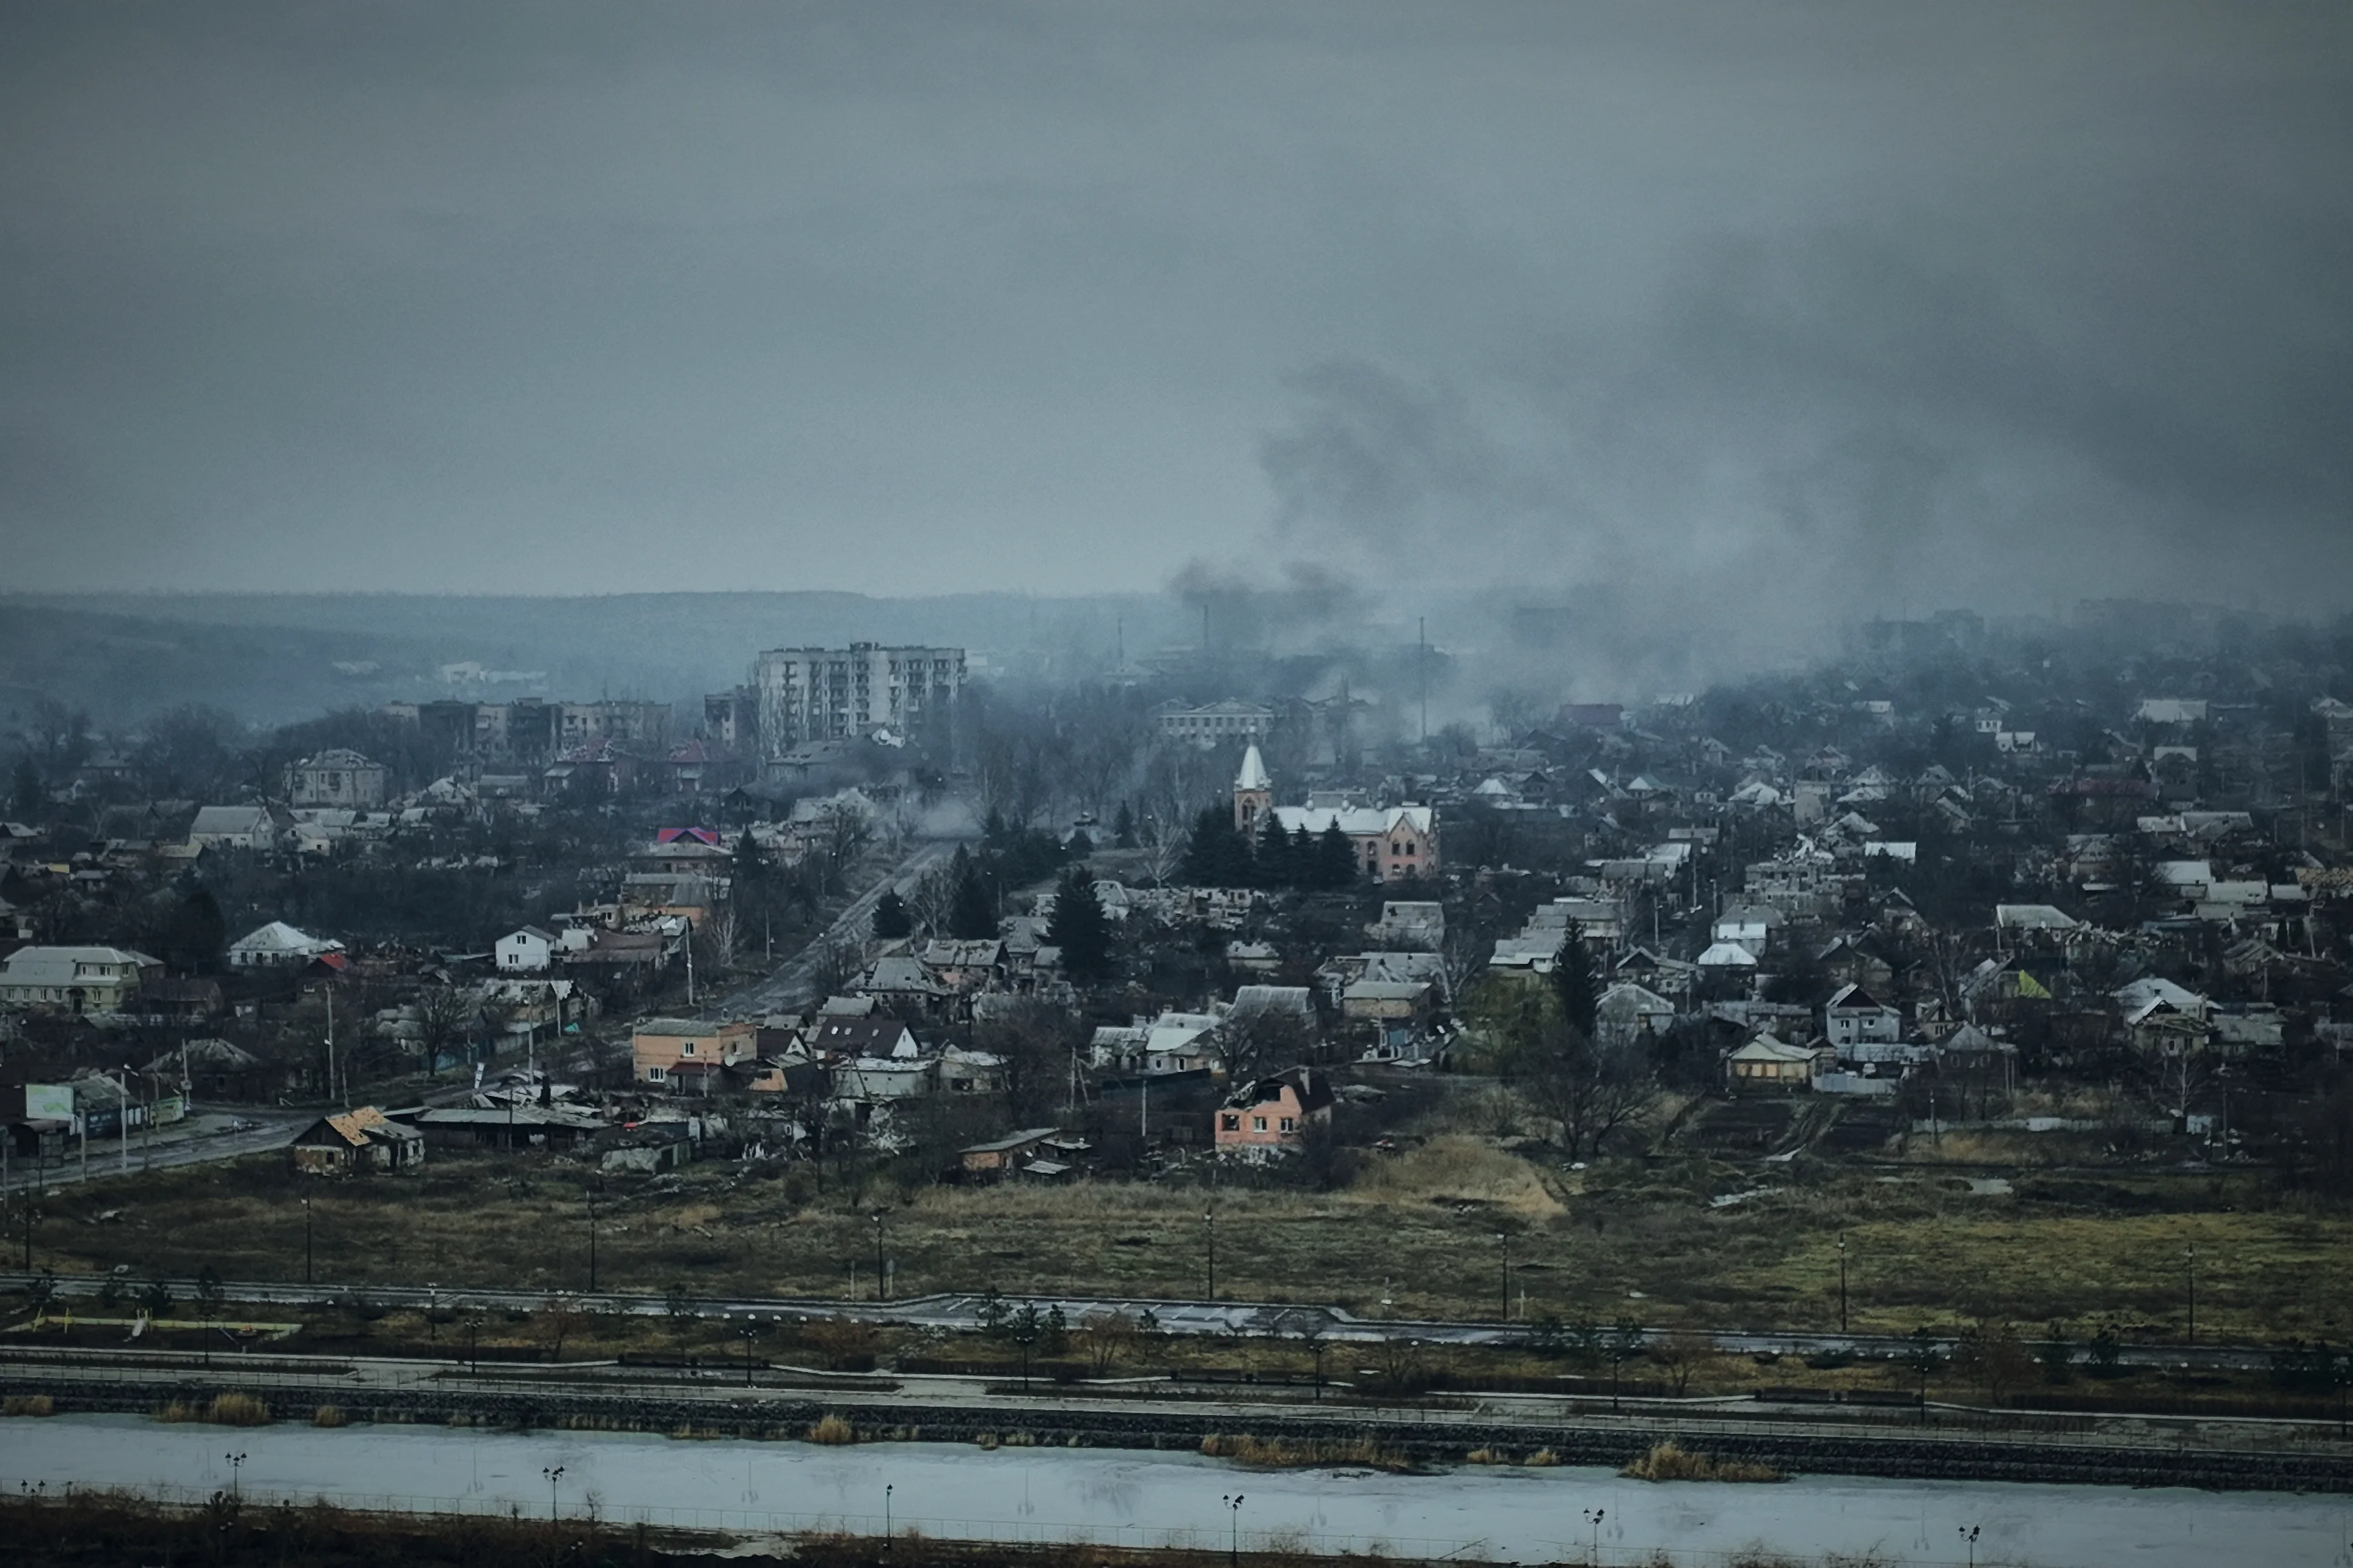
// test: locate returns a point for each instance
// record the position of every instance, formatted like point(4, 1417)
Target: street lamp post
point(306, 1241)
point(887, 1489)
point(1593, 1540)
point(1842, 1249)
point(236, 1464)
point(1969, 1534)
point(749, 1332)
point(553, 1473)
point(1234, 1536)
point(1208, 1220)
point(1503, 1238)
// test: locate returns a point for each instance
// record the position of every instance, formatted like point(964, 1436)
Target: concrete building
point(338, 777)
point(825, 694)
point(1213, 724)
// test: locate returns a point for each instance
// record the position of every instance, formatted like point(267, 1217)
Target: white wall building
point(528, 951)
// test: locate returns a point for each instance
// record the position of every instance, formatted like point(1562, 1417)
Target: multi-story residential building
point(828, 694)
point(338, 778)
point(730, 720)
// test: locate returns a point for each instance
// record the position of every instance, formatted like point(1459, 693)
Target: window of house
point(687, 1050)
point(1230, 1123)
point(1290, 1124)
point(1258, 1123)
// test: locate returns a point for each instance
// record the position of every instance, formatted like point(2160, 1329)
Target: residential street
point(206, 1135)
point(792, 985)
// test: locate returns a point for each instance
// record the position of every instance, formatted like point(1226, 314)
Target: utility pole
point(881, 1280)
point(1842, 1249)
point(1209, 1218)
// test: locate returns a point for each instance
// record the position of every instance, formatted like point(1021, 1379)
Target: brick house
point(1274, 1112)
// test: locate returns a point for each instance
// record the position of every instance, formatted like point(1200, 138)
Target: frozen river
point(1154, 1500)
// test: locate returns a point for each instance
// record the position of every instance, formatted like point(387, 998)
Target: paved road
point(792, 985)
point(1201, 1319)
point(218, 1136)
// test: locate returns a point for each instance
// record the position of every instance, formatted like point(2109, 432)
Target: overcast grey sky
point(1861, 304)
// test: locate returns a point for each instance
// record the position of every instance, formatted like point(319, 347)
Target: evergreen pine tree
point(891, 917)
point(1275, 868)
point(971, 916)
point(1078, 926)
point(1122, 827)
point(198, 934)
point(1335, 859)
point(1574, 982)
point(1209, 852)
point(1080, 846)
point(751, 861)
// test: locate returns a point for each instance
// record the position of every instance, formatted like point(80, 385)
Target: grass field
point(1416, 1235)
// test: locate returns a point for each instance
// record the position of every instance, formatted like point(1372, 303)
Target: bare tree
point(559, 1321)
point(1589, 1089)
point(843, 835)
point(1463, 958)
point(836, 966)
point(719, 936)
point(1682, 1354)
point(1994, 1358)
point(933, 895)
point(1262, 1038)
point(1108, 1339)
point(443, 1013)
point(1036, 1044)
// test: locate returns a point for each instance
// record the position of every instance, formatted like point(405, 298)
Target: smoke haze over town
point(1888, 307)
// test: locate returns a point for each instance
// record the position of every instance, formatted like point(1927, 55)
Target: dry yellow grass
point(1671, 1462)
point(236, 1410)
point(833, 1430)
point(330, 1416)
point(1460, 1169)
point(28, 1405)
point(1280, 1453)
